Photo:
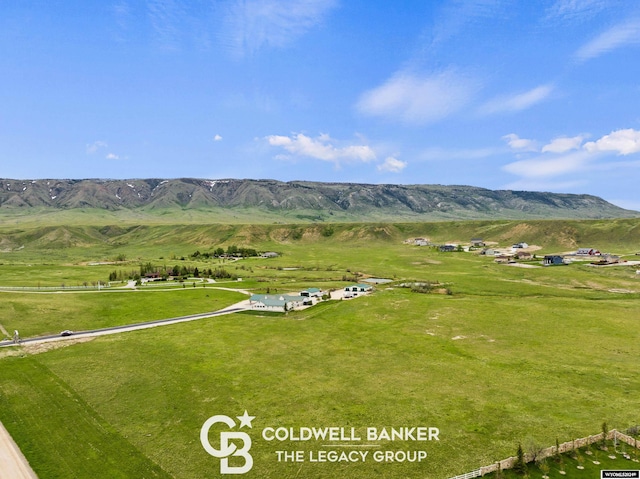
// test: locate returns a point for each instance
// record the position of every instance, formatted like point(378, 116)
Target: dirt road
point(14, 464)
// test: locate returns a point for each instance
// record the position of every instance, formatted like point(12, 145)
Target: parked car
point(66, 332)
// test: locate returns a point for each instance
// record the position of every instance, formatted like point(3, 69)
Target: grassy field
point(512, 355)
point(34, 314)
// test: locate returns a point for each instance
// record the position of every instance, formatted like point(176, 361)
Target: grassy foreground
point(512, 355)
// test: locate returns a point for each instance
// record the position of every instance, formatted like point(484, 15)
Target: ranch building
point(358, 288)
point(551, 260)
point(277, 303)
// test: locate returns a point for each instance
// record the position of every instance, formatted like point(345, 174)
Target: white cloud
point(322, 148)
point(555, 161)
point(517, 102)
point(95, 146)
point(112, 156)
point(574, 10)
point(543, 166)
point(618, 36)
point(392, 164)
point(563, 144)
point(418, 99)
point(250, 25)
point(622, 142)
point(520, 144)
point(217, 138)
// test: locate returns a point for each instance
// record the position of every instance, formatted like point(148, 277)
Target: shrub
point(520, 467)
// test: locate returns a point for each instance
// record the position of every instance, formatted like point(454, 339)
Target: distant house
point(446, 248)
point(417, 241)
point(503, 258)
point(270, 254)
point(520, 245)
point(523, 255)
point(587, 252)
point(488, 252)
point(477, 242)
point(552, 260)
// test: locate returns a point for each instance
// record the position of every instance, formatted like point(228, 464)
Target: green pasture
point(39, 313)
point(488, 373)
point(512, 355)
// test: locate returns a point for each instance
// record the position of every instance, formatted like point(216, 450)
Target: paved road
point(13, 463)
point(241, 306)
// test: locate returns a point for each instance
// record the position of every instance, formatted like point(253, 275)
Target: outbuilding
point(311, 293)
point(552, 260)
point(359, 288)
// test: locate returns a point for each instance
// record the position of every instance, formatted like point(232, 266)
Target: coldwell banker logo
point(221, 438)
point(229, 441)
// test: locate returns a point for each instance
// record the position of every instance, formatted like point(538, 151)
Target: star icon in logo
point(245, 419)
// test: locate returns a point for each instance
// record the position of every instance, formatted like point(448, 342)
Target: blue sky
point(501, 94)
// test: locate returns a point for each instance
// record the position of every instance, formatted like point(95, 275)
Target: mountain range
point(272, 201)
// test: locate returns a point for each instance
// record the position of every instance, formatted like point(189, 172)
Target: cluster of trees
point(231, 251)
point(148, 270)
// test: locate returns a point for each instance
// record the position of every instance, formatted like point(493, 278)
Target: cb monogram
point(227, 447)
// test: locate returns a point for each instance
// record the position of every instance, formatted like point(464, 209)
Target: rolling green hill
point(107, 242)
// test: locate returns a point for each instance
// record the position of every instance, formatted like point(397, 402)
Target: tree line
point(178, 272)
point(232, 251)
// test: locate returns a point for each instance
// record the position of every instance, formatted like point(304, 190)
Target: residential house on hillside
point(417, 241)
point(520, 245)
point(587, 252)
point(488, 252)
point(523, 255)
point(269, 254)
point(477, 242)
point(447, 248)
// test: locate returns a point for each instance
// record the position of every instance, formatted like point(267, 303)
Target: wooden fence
point(550, 451)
